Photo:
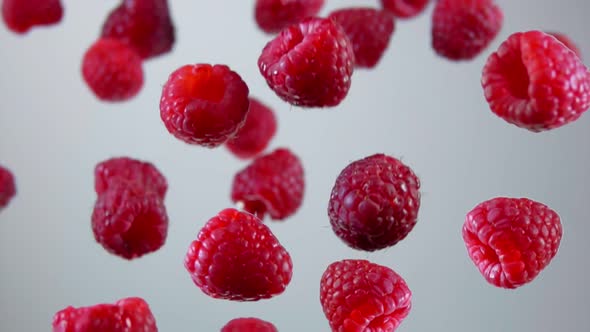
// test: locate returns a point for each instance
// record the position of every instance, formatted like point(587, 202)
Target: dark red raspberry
point(405, 8)
point(236, 257)
point(565, 40)
point(250, 324)
point(309, 64)
point(112, 70)
point(259, 128)
point(374, 203)
point(144, 25)
point(274, 15)
point(131, 172)
point(127, 315)
point(204, 104)
point(535, 82)
point(462, 29)
point(21, 15)
point(7, 187)
point(357, 295)
point(369, 31)
point(511, 240)
point(273, 183)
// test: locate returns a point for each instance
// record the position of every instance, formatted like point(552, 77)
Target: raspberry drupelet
point(274, 15)
point(22, 15)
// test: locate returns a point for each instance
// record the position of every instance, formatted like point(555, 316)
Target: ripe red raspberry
point(112, 70)
point(273, 183)
point(511, 240)
point(126, 315)
point(357, 295)
point(131, 172)
point(204, 104)
point(309, 64)
point(274, 15)
point(236, 257)
point(21, 15)
point(144, 25)
point(7, 187)
point(565, 40)
point(535, 82)
point(259, 128)
point(462, 29)
point(369, 31)
point(405, 8)
point(374, 203)
point(250, 324)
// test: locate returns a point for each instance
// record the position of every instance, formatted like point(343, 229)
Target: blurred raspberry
point(130, 172)
point(21, 15)
point(7, 187)
point(274, 15)
point(405, 8)
point(250, 324)
point(259, 128)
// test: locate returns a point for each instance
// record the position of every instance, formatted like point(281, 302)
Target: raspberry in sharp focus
point(127, 315)
point(511, 240)
point(131, 172)
point(273, 183)
point(462, 29)
point(144, 25)
point(274, 15)
point(535, 82)
point(369, 31)
point(565, 40)
point(259, 128)
point(405, 8)
point(357, 295)
point(309, 64)
point(21, 15)
point(112, 70)
point(236, 257)
point(249, 324)
point(374, 203)
point(204, 104)
point(7, 187)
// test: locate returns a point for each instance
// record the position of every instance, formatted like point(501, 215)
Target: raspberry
point(250, 324)
point(236, 257)
point(369, 31)
point(112, 70)
point(565, 40)
point(405, 8)
point(144, 25)
point(511, 240)
point(131, 172)
point(21, 15)
point(7, 187)
point(258, 130)
point(535, 82)
point(374, 203)
point(357, 295)
point(274, 15)
point(273, 183)
point(462, 29)
point(126, 315)
point(204, 104)
point(309, 64)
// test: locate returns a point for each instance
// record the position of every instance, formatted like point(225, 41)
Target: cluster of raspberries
point(535, 80)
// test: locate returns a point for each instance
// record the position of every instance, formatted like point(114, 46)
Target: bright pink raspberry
point(21, 15)
point(204, 104)
point(374, 203)
point(112, 70)
point(462, 29)
point(131, 172)
point(144, 25)
point(126, 315)
point(259, 128)
point(511, 240)
point(357, 295)
point(369, 31)
point(565, 40)
point(405, 8)
point(7, 187)
point(274, 15)
point(309, 64)
point(249, 324)
point(273, 183)
point(535, 82)
point(236, 257)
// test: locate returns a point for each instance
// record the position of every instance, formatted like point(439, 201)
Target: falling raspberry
point(7, 187)
point(22, 15)
point(405, 8)
point(274, 15)
point(249, 324)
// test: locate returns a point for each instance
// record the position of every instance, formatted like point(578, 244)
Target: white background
point(414, 105)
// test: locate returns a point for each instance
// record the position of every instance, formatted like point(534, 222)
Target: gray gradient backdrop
point(424, 109)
